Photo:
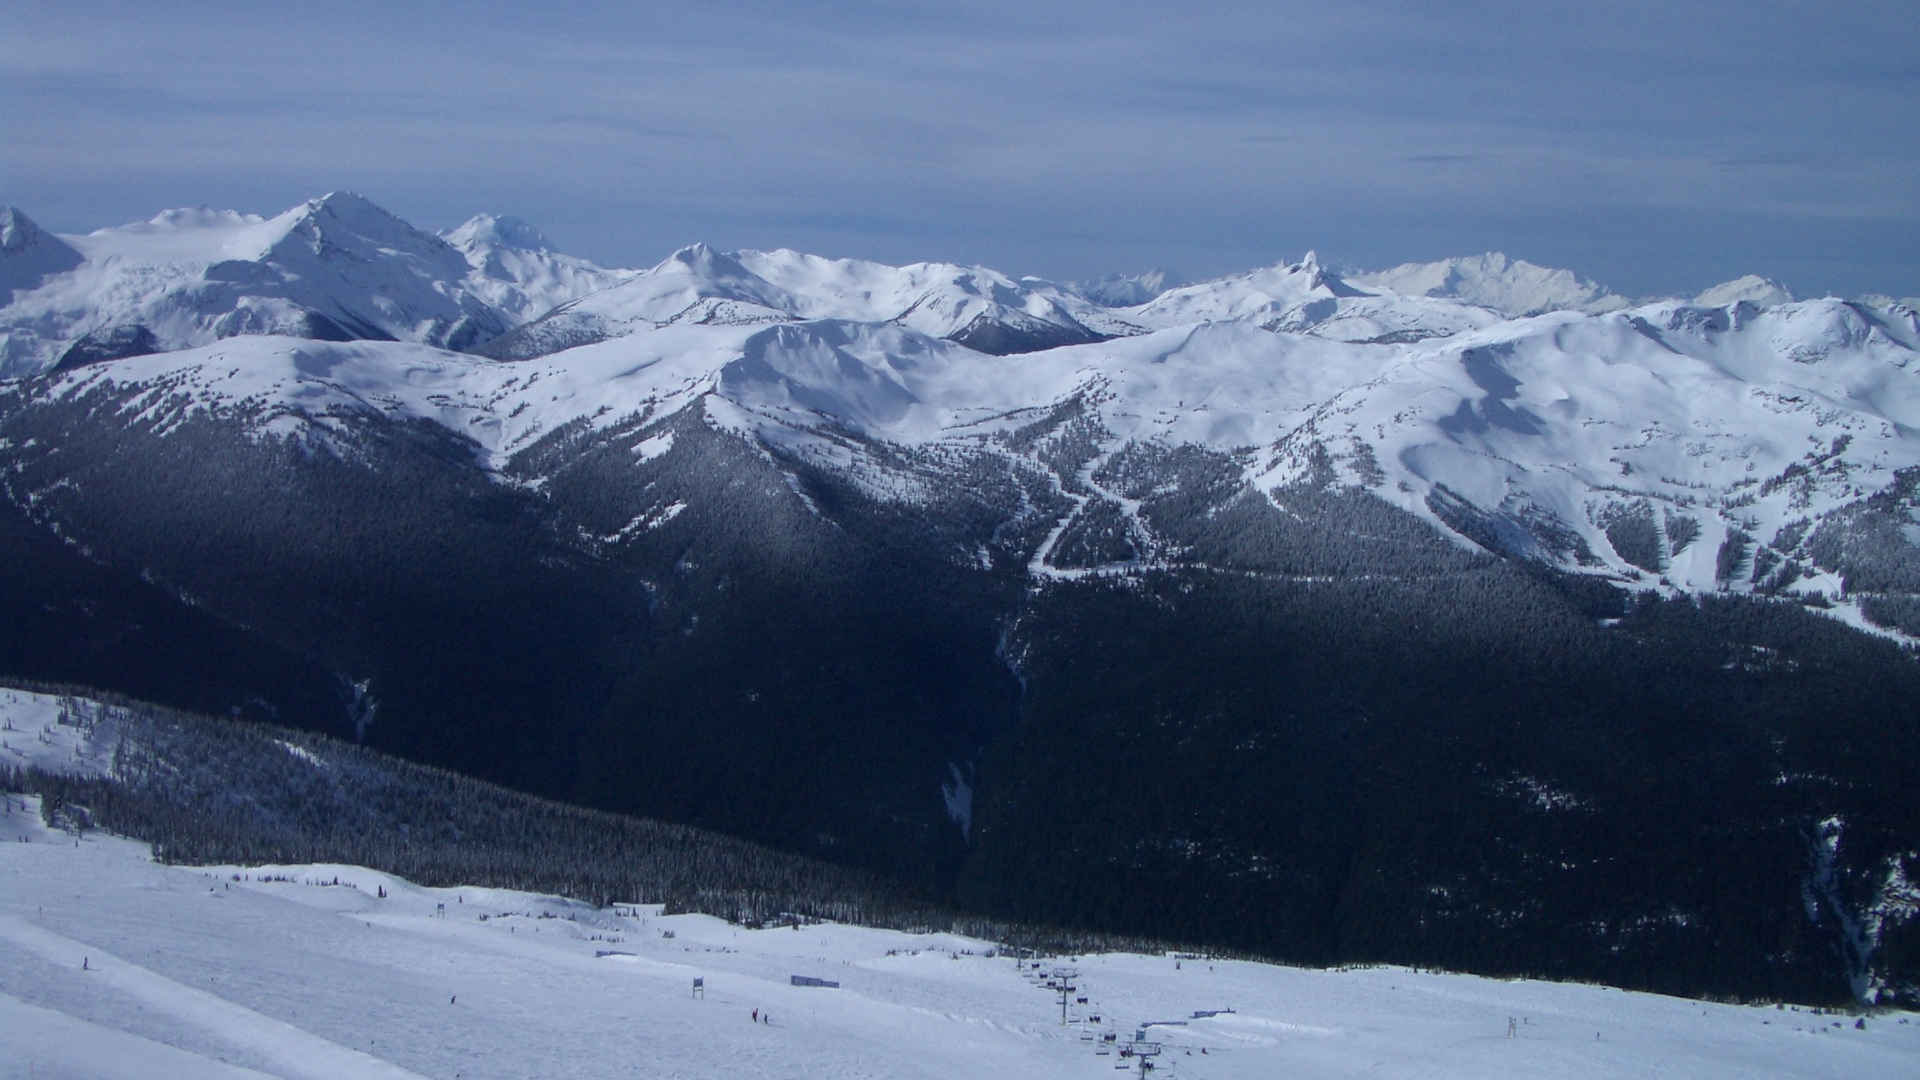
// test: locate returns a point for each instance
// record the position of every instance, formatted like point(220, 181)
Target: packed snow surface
point(114, 966)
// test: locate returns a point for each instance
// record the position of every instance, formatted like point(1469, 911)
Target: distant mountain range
point(340, 268)
point(1463, 613)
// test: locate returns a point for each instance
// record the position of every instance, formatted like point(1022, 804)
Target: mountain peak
point(344, 202)
point(348, 220)
point(499, 230)
point(349, 210)
point(703, 261)
point(19, 232)
point(29, 253)
point(694, 254)
point(1321, 279)
point(1751, 288)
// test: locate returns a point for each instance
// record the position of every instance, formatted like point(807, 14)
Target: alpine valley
point(1463, 614)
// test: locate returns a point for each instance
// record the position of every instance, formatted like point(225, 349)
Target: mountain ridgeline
point(1279, 614)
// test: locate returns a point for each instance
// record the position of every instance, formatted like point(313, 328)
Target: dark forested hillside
point(1309, 770)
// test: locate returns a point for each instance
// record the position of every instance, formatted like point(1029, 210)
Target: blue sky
point(1653, 146)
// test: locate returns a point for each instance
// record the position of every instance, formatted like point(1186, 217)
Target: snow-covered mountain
point(1306, 297)
point(1512, 286)
point(518, 271)
point(29, 253)
point(1751, 289)
point(981, 308)
point(339, 267)
point(336, 267)
point(1126, 290)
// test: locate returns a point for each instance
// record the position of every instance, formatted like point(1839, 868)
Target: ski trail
point(290, 1051)
point(1040, 565)
point(47, 1043)
point(1037, 566)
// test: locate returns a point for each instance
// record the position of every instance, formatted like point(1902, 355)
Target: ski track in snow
point(49, 1043)
point(287, 1050)
point(192, 973)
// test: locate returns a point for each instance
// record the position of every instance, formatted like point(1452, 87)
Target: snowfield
point(114, 966)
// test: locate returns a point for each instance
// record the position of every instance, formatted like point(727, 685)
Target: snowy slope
point(1730, 418)
point(284, 387)
point(119, 967)
point(1710, 420)
point(335, 267)
point(1513, 286)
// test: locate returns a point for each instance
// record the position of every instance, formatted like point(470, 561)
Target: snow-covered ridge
point(1715, 427)
point(974, 305)
point(1308, 297)
point(340, 267)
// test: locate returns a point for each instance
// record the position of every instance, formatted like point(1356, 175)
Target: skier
point(756, 1016)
